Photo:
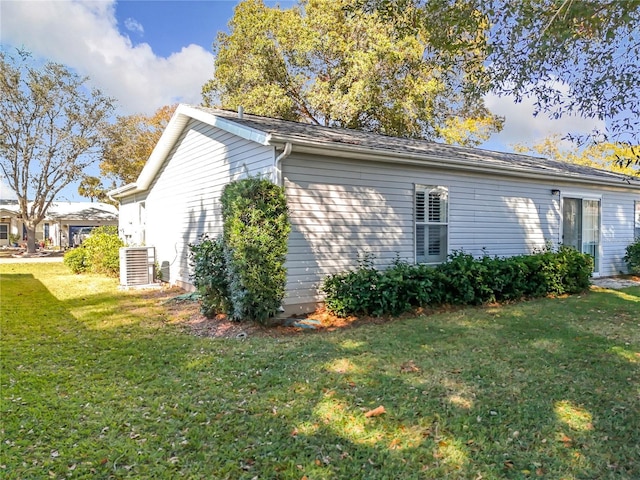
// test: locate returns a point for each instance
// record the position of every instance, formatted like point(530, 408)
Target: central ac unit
point(137, 265)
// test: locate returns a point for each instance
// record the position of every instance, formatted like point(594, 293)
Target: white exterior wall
point(183, 202)
point(130, 226)
point(341, 208)
point(617, 230)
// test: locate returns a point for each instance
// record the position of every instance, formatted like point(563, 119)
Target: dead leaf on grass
point(375, 412)
point(409, 367)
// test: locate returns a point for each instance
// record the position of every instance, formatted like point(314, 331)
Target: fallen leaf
point(565, 440)
point(509, 464)
point(375, 412)
point(409, 367)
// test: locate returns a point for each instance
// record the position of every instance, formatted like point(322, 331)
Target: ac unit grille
point(137, 265)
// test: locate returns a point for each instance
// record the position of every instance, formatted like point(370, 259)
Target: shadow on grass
point(535, 390)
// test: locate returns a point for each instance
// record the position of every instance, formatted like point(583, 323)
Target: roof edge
point(363, 153)
point(174, 129)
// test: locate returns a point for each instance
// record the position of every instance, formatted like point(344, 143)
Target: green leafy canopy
point(323, 62)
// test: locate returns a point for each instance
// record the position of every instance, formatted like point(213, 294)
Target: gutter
point(120, 190)
point(278, 164)
point(360, 153)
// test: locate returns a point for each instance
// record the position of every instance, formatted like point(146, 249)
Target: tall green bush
point(632, 257)
point(99, 253)
point(255, 232)
point(242, 273)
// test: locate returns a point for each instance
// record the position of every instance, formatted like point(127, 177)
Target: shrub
point(575, 269)
point(103, 250)
point(255, 231)
point(354, 292)
point(76, 260)
point(632, 257)
point(99, 253)
point(210, 275)
point(465, 280)
point(462, 280)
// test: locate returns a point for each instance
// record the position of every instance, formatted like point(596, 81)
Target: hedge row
point(462, 280)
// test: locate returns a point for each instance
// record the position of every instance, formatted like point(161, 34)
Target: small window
point(637, 221)
point(4, 231)
point(432, 223)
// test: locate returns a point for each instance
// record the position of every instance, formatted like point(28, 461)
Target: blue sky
point(147, 54)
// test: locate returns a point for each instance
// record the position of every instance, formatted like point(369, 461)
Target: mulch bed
point(185, 312)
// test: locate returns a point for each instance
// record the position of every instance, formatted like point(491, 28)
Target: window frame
point(583, 197)
point(8, 231)
point(426, 222)
point(636, 220)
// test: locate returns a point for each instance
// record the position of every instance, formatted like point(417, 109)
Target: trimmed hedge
point(462, 280)
point(242, 272)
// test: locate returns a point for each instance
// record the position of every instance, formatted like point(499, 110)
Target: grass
point(98, 383)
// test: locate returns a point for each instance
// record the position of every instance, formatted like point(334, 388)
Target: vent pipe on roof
point(240, 112)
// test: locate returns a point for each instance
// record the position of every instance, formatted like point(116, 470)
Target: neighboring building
point(65, 225)
point(351, 192)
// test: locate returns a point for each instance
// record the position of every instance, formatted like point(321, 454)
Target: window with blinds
point(431, 212)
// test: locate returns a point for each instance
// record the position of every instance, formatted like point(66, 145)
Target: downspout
point(285, 153)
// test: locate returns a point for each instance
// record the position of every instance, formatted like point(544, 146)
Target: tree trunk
point(31, 237)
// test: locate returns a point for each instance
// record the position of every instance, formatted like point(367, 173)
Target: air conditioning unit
point(137, 265)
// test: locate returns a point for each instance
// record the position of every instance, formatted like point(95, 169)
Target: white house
point(351, 192)
point(65, 224)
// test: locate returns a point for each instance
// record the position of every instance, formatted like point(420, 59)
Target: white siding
point(129, 226)
point(183, 201)
point(341, 208)
point(617, 230)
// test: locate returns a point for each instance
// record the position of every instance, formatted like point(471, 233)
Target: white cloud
point(83, 34)
point(133, 25)
point(521, 127)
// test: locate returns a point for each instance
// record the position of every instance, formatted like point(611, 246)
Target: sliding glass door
point(581, 226)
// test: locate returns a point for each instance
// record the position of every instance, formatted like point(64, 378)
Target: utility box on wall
point(137, 266)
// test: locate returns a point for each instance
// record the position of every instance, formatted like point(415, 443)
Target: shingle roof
point(283, 130)
point(71, 210)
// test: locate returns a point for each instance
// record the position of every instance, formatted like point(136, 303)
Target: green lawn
point(95, 383)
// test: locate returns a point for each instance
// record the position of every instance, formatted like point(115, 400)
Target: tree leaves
point(330, 63)
point(50, 132)
point(130, 141)
point(577, 58)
